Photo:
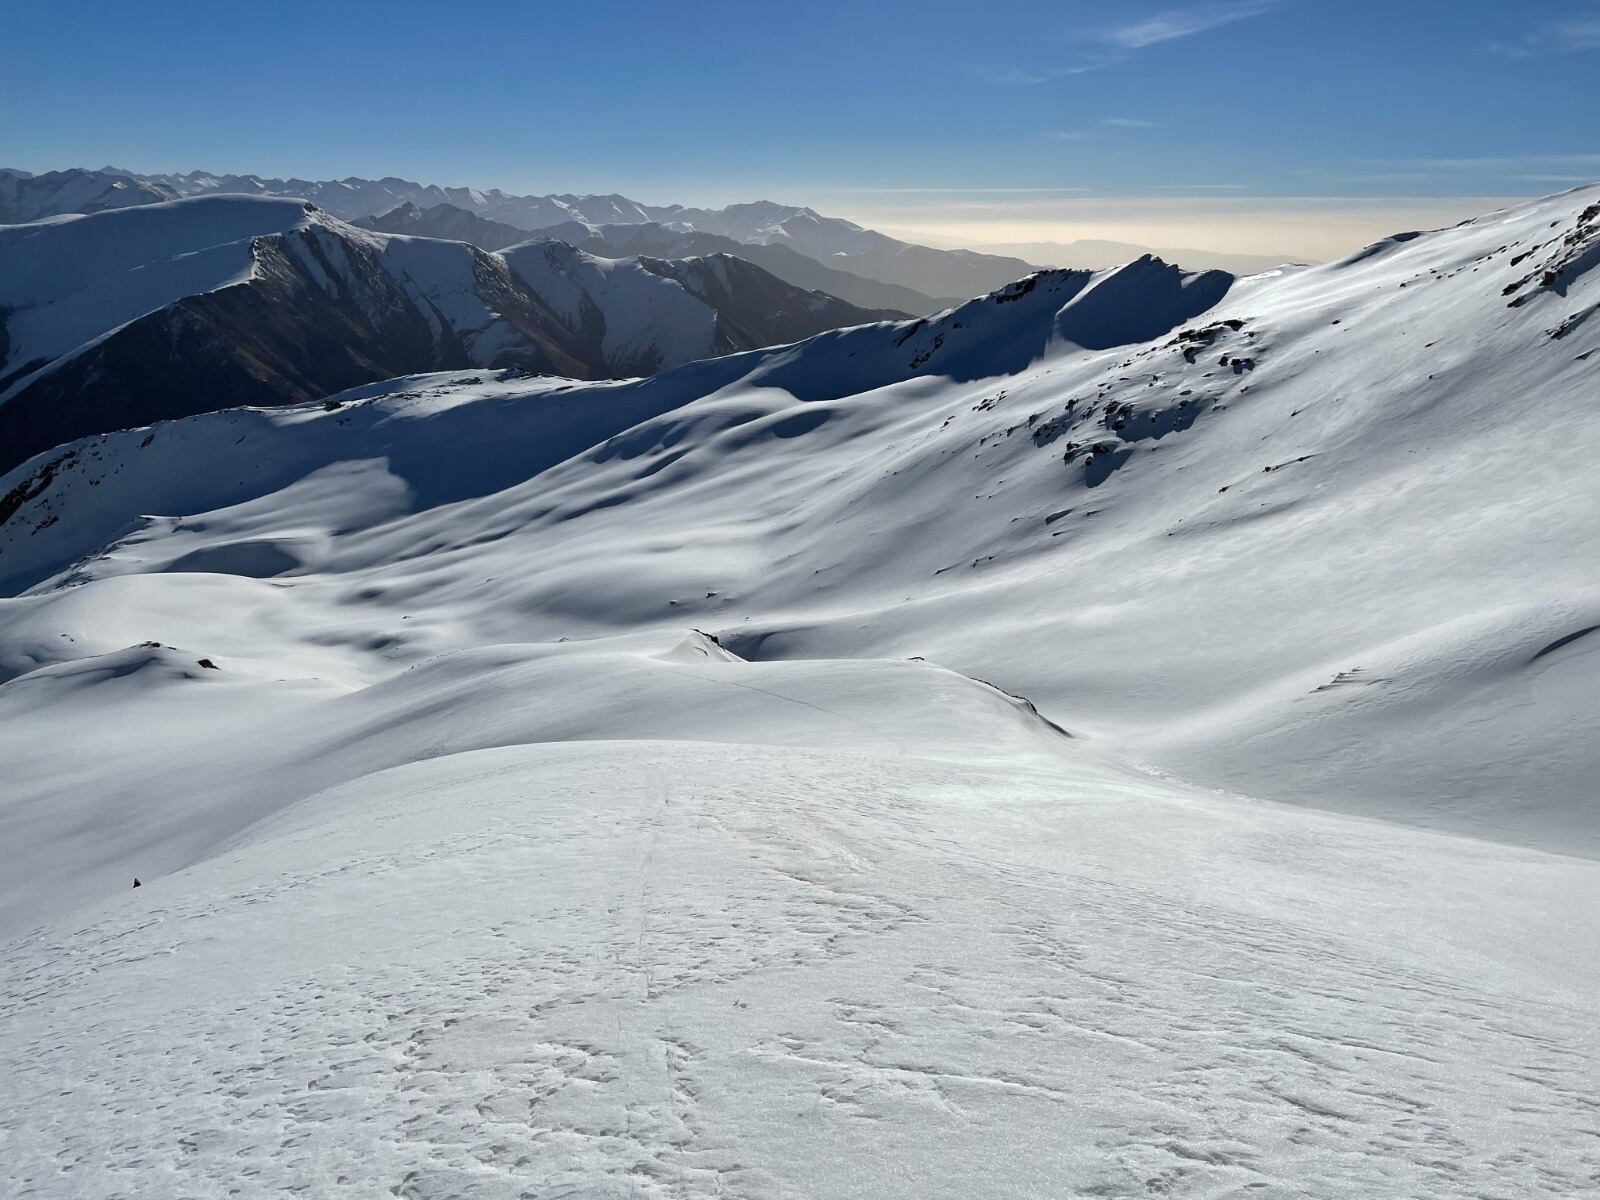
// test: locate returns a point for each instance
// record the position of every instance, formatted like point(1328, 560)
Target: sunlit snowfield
point(593, 790)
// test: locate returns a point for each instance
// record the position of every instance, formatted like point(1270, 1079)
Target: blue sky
point(1273, 124)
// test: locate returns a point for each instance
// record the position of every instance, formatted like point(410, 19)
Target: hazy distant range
point(1094, 254)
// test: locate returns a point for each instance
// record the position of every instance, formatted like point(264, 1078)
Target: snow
point(69, 281)
point(649, 321)
point(595, 788)
point(441, 277)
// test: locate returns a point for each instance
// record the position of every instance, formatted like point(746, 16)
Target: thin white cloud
point(970, 191)
point(1120, 41)
point(1508, 162)
point(1452, 172)
point(1015, 76)
point(1018, 77)
point(1572, 34)
point(1184, 22)
point(1088, 135)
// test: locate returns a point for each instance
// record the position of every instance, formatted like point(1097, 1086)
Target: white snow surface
point(543, 788)
point(648, 318)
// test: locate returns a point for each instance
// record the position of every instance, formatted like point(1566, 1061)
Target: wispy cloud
point(1015, 76)
point(970, 191)
point(1106, 123)
point(1505, 163)
point(1571, 34)
point(1176, 23)
point(1330, 175)
point(1455, 173)
point(1114, 44)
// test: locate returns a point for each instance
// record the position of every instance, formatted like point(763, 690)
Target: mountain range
point(139, 314)
point(1096, 254)
point(864, 267)
point(624, 240)
point(25, 196)
point(940, 275)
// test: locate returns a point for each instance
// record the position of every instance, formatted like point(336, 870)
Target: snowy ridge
point(1125, 734)
point(114, 320)
point(72, 281)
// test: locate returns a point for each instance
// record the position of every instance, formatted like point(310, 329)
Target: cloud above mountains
point(1174, 23)
point(1114, 44)
point(1573, 33)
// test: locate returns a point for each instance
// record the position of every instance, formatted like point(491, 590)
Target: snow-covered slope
point(126, 317)
point(470, 867)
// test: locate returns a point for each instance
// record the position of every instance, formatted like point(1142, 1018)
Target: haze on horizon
point(1204, 124)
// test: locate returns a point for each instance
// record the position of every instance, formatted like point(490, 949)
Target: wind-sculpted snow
point(1129, 734)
